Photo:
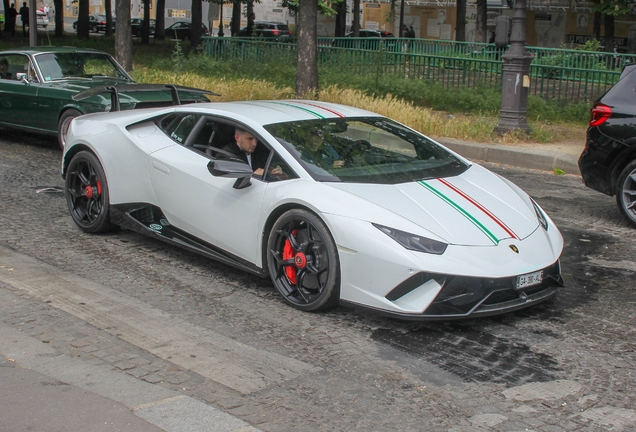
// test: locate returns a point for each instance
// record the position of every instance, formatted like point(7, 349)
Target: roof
point(51, 49)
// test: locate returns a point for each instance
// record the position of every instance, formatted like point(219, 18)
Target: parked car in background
point(267, 30)
point(44, 88)
point(42, 19)
point(95, 23)
point(608, 161)
point(136, 25)
point(368, 39)
point(337, 205)
point(182, 30)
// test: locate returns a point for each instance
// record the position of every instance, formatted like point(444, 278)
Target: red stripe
point(323, 108)
point(482, 208)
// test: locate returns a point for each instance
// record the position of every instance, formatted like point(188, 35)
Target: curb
point(544, 160)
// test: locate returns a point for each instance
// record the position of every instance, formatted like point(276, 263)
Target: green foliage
point(612, 7)
point(559, 171)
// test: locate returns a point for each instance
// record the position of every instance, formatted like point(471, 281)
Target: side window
point(278, 170)
point(179, 126)
point(13, 64)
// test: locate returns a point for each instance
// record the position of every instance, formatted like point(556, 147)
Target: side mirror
point(20, 76)
point(230, 169)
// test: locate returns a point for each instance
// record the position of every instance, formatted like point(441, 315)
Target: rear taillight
point(275, 32)
point(599, 114)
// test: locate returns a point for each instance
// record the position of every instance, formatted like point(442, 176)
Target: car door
point(18, 100)
point(194, 200)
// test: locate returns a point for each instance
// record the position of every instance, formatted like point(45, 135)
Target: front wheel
point(626, 192)
point(303, 261)
point(63, 124)
point(86, 190)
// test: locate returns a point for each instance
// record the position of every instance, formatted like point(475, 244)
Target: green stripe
point(301, 108)
point(467, 215)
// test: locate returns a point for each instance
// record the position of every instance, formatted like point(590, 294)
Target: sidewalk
point(545, 157)
point(43, 390)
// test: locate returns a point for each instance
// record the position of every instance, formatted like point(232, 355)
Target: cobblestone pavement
point(566, 365)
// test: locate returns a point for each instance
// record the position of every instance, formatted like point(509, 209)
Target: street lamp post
point(515, 76)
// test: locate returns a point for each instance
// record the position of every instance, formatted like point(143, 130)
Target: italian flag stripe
point(487, 212)
point(301, 108)
point(462, 211)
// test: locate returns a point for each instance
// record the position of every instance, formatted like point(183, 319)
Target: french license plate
point(529, 279)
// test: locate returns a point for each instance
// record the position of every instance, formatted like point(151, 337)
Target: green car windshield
point(62, 66)
point(365, 150)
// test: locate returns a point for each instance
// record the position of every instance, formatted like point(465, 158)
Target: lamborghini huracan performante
point(337, 205)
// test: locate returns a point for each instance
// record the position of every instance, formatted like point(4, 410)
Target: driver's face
point(246, 142)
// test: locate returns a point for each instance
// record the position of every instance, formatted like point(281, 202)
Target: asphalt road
point(179, 322)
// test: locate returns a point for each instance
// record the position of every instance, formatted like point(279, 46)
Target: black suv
point(268, 30)
point(608, 162)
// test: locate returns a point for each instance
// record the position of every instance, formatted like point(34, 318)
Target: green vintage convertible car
point(43, 88)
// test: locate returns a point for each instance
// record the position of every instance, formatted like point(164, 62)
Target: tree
point(160, 20)
point(307, 61)
point(235, 22)
point(611, 9)
point(59, 17)
point(123, 36)
point(197, 20)
point(481, 23)
point(82, 20)
point(460, 29)
point(145, 25)
point(109, 18)
point(341, 20)
point(355, 25)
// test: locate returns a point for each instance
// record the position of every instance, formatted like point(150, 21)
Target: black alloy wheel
point(626, 192)
point(86, 192)
point(303, 261)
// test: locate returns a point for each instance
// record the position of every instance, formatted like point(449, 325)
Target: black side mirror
point(231, 169)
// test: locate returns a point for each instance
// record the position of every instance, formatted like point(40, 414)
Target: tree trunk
point(109, 18)
point(145, 26)
point(250, 17)
point(609, 33)
point(341, 19)
point(307, 62)
point(460, 29)
point(355, 25)
point(123, 36)
point(59, 17)
point(6, 5)
point(235, 23)
point(82, 20)
point(160, 20)
point(597, 26)
point(481, 30)
point(197, 19)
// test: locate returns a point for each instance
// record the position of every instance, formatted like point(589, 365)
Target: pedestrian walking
point(9, 25)
point(24, 16)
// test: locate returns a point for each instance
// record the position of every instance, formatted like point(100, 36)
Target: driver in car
point(243, 148)
point(4, 69)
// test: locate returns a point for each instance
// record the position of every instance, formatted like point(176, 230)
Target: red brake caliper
point(299, 259)
point(88, 190)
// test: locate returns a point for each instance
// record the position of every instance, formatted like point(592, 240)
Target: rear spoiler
point(132, 88)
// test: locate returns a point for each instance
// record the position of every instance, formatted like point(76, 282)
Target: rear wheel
point(303, 261)
point(626, 192)
point(63, 124)
point(86, 191)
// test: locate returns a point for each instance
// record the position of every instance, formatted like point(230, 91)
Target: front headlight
point(542, 220)
point(414, 242)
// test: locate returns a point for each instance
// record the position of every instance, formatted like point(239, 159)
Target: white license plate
point(529, 279)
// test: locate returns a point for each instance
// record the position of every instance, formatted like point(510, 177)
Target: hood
point(476, 208)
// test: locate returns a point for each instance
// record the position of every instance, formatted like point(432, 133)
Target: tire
point(626, 192)
point(63, 124)
point(303, 262)
point(86, 190)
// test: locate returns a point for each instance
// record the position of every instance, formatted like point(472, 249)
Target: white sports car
point(335, 204)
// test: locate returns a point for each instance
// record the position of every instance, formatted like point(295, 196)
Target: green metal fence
point(561, 74)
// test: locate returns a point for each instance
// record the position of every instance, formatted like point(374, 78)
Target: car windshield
point(58, 66)
point(365, 150)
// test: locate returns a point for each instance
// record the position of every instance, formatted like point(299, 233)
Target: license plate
point(529, 279)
